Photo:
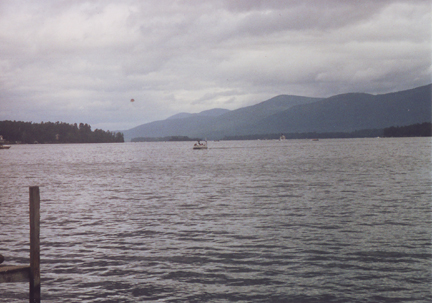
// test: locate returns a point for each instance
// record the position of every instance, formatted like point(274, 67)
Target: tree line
point(414, 130)
point(160, 139)
point(58, 132)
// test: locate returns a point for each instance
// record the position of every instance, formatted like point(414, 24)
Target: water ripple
point(247, 221)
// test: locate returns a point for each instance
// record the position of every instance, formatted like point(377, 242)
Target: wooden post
point(35, 291)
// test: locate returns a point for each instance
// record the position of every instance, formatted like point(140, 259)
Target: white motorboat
point(2, 146)
point(200, 145)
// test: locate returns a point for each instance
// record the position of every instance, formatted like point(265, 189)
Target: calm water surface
point(245, 221)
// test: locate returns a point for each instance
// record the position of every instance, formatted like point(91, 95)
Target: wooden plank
point(9, 273)
point(34, 244)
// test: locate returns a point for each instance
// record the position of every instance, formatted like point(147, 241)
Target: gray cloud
point(82, 61)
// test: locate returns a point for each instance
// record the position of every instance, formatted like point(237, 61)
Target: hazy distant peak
point(215, 112)
point(284, 100)
point(349, 97)
point(179, 116)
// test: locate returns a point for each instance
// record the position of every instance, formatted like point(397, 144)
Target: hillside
point(350, 112)
point(289, 114)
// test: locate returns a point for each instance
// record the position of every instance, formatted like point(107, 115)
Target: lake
point(337, 220)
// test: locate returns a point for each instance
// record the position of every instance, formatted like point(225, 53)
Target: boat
point(282, 137)
point(315, 139)
point(200, 145)
point(2, 145)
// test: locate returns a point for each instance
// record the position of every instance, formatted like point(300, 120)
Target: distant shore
point(414, 130)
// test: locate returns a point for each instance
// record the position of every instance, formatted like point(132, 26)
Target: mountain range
point(292, 114)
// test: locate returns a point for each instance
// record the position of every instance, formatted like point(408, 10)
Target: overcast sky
point(83, 61)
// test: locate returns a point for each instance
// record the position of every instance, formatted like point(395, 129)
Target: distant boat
point(315, 139)
point(282, 137)
point(2, 146)
point(200, 145)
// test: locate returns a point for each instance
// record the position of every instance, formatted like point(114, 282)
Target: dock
point(28, 273)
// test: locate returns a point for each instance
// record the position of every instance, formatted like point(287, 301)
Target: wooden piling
point(35, 288)
point(31, 274)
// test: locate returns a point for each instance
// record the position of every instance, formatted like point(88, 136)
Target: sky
point(83, 61)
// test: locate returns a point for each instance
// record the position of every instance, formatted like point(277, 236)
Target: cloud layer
point(82, 61)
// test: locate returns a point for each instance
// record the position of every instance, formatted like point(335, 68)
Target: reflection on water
point(244, 221)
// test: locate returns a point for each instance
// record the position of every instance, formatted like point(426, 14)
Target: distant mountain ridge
point(355, 111)
point(289, 114)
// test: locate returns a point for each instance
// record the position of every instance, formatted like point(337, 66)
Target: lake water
point(245, 221)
